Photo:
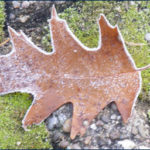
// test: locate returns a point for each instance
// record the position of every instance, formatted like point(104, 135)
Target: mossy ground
point(12, 135)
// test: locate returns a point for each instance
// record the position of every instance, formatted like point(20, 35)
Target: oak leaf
point(88, 78)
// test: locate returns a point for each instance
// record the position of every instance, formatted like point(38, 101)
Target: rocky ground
point(107, 130)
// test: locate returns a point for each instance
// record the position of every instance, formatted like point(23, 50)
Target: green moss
point(2, 20)
point(12, 135)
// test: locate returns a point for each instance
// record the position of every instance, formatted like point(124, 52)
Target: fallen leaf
point(88, 78)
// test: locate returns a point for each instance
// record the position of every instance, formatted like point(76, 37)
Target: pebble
point(127, 144)
point(16, 4)
point(143, 132)
point(74, 146)
point(52, 122)
point(25, 4)
point(85, 123)
point(18, 143)
point(113, 117)
point(144, 147)
point(23, 19)
point(134, 130)
point(57, 136)
point(62, 118)
point(67, 125)
point(87, 140)
point(12, 16)
point(63, 144)
point(132, 3)
point(114, 107)
point(105, 118)
point(114, 134)
point(93, 126)
point(147, 37)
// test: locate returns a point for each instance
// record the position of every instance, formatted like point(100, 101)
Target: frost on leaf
point(88, 78)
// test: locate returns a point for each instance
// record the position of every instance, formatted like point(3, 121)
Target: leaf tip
point(54, 13)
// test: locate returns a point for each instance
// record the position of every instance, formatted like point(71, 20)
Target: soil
point(107, 130)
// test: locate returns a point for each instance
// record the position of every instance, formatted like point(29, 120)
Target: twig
point(135, 44)
point(3, 43)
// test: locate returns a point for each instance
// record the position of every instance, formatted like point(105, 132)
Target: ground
point(133, 20)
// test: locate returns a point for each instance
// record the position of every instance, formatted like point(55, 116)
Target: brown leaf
point(88, 78)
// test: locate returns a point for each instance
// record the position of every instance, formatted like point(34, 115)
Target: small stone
point(52, 122)
point(113, 117)
point(67, 125)
point(99, 123)
point(143, 132)
point(74, 146)
point(18, 143)
point(144, 147)
point(134, 130)
point(25, 4)
point(113, 106)
point(57, 136)
point(16, 4)
point(105, 118)
point(114, 134)
point(62, 118)
point(93, 126)
point(147, 37)
point(12, 16)
point(127, 144)
point(85, 123)
point(132, 3)
point(23, 19)
point(63, 144)
point(87, 140)
point(118, 117)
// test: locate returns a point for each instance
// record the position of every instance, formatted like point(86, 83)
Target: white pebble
point(127, 144)
point(147, 37)
point(93, 126)
point(25, 4)
point(16, 4)
point(144, 147)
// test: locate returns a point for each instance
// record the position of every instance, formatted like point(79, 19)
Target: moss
point(12, 135)
point(2, 20)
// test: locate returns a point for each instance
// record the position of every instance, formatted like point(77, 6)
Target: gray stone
point(62, 118)
point(12, 16)
point(52, 122)
point(105, 118)
point(114, 107)
point(63, 144)
point(134, 130)
point(143, 131)
point(114, 134)
point(74, 146)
